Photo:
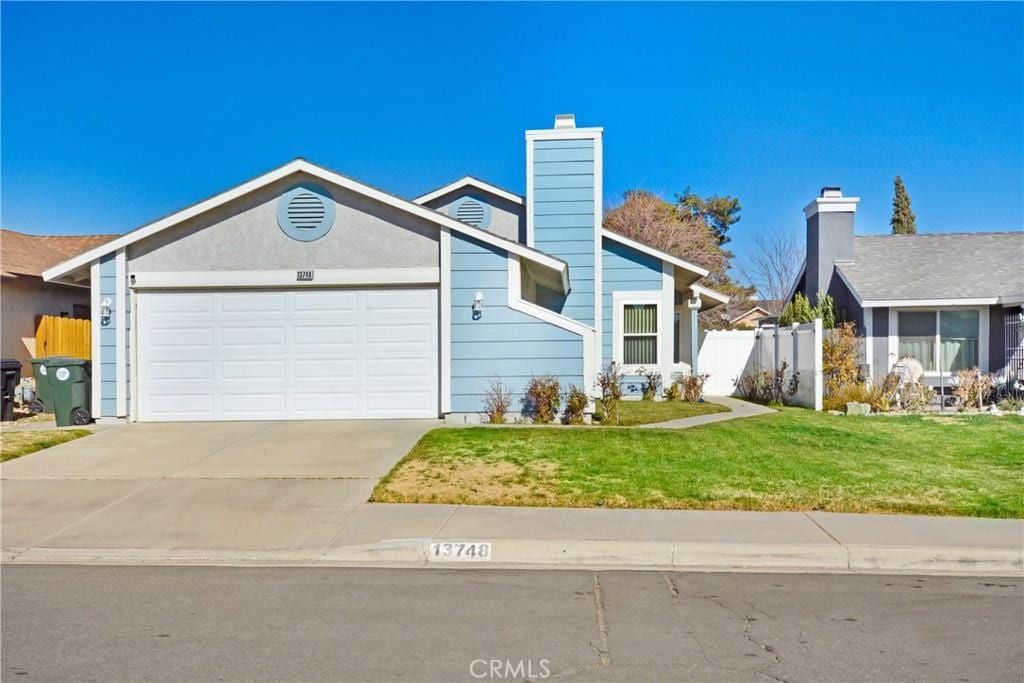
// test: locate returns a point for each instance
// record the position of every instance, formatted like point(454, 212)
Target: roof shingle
point(22, 254)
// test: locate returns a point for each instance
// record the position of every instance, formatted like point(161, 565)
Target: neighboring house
point(305, 294)
point(952, 301)
point(24, 296)
point(745, 315)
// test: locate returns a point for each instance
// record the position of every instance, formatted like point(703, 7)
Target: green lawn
point(14, 444)
point(792, 460)
point(647, 412)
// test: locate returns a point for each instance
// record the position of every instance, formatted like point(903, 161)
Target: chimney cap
point(831, 200)
point(565, 121)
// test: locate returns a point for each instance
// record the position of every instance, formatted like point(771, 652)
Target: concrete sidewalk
point(737, 409)
point(401, 535)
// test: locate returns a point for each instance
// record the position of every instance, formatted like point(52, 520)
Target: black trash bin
point(70, 390)
point(10, 371)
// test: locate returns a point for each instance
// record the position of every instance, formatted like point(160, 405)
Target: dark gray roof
point(938, 266)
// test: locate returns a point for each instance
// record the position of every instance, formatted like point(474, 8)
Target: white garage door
point(280, 355)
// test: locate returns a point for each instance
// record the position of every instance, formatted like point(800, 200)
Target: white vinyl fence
point(799, 346)
point(724, 356)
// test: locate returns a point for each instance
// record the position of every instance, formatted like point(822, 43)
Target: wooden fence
point(56, 336)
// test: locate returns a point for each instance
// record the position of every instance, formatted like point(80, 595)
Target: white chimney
point(565, 121)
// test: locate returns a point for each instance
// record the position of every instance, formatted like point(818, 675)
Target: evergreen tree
point(903, 220)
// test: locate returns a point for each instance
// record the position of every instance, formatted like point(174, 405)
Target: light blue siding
point(503, 344)
point(624, 269)
point(563, 216)
point(108, 335)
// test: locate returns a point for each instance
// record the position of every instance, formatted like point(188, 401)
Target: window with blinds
point(639, 334)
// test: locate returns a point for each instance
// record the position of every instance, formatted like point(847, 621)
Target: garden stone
point(855, 408)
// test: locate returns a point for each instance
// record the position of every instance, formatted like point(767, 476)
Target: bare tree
point(648, 218)
point(772, 266)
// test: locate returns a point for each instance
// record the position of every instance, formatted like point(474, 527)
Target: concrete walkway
point(737, 409)
point(402, 535)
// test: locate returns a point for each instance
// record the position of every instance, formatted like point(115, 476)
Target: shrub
point(972, 387)
point(609, 381)
point(768, 386)
point(541, 399)
point(1011, 404)
point(672, 391)
point(858, 392)
point(691, 387)
point(839, 356)
point(497, 402)
point(652, 383)
point(576, 401)
point(799, 310)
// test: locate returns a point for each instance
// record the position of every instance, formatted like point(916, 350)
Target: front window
point(940, 340)
point(639, 334)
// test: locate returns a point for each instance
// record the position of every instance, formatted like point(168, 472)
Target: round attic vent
point(472, 211)
point(306, 212)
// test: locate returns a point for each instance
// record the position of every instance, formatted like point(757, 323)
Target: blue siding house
point(306, 294)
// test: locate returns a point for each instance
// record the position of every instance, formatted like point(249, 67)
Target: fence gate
point(1014, 336)
point(56, 336)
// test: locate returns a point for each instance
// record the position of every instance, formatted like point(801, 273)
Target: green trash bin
point(70, 390)
point(43, 402)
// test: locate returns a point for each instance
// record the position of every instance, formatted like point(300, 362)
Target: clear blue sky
point(113, 115)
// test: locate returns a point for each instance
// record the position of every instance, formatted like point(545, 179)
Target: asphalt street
point(223, 623)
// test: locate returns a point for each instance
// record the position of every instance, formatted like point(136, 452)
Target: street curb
point(576, 554)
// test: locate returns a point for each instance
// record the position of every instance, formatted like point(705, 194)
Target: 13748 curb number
point(460, 552)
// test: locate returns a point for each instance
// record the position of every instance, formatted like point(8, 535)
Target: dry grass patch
point(14, 444)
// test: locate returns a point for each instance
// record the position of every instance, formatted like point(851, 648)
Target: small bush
point(652, 383)
point(973, 387)
point(576, 401)
point(691, 387)
point(1011, 404)
point(799, 310)
point(840, 352)
point(857, 392)
point(541, 399)
point(609, 382)
point(673, 392)
point(768, 386)
point(497, 402)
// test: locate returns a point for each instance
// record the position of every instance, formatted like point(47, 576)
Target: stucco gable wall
point(244, 235)
point(508, 219)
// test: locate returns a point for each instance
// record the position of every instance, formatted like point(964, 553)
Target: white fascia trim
point(831, 205)
point(702, 292)
point(285, 278)
point(303, 166)
point(598, 244)
point(529, 192)
point(121, 333)
point(469, 181)
point(929, 303)
point(657, 253)
point(1011, 299)
point(619, 299)
point(587, 333)
point(849, 285)
point(565, 133)
point(94, 338)
point(446, 320)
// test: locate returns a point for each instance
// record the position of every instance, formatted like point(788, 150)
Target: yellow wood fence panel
point(56, 336)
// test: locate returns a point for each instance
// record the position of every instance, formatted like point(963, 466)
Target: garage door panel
point(303, 354)
point(251, 302)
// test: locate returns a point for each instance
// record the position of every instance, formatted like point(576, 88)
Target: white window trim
point(894, 336)
point(619, 301)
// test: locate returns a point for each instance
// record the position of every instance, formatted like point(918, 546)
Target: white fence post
point(819, 389)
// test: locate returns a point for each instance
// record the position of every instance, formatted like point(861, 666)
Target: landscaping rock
point(855, 408)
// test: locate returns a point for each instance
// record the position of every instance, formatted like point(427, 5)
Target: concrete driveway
point(192, 486)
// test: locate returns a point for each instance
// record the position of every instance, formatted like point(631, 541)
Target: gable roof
point(303, 166)
point(24, 254)
point(980, 268)
point(653, 251)
point(470, 181)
